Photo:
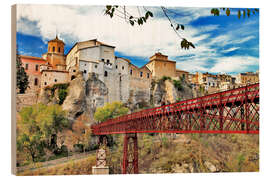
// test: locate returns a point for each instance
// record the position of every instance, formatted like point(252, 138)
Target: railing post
point(221, 109)
point(246, 109)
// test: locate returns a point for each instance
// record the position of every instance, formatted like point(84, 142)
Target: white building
point(94, 56)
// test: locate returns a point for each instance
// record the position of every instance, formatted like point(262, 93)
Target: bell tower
point(55, 55)
point(56, 46)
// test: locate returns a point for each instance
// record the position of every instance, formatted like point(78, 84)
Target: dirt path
point(55, 161)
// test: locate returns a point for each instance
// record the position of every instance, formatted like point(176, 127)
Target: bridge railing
point(138, 120)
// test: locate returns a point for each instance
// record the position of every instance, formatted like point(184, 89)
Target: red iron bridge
point(232, 111)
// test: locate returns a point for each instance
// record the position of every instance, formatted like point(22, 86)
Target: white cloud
point(234, 64)
point(230, 49)
point(80, 23)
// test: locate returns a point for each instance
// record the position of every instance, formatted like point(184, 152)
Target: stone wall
point(23, 100)
point(51, 77)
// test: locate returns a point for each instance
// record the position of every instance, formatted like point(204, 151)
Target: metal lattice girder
point(232, 111)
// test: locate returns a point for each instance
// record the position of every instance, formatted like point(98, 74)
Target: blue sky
point(223, 44)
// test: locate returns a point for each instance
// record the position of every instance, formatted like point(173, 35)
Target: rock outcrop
point(166, 91)
point(84, 97)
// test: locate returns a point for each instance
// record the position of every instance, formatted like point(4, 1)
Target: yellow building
point(55, 55)
point(247, 78)
point(160, 66)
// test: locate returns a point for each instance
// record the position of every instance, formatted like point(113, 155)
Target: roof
point(98, 44)
point(179, 70)
point(57, 40)
point(32, 57)
point(54, 70)
point(123, 59)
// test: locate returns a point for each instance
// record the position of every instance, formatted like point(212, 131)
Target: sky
point(224, 44)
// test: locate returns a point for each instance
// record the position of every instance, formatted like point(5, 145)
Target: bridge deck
point(232, 111)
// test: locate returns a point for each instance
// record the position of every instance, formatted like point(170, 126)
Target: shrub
point(177, 84)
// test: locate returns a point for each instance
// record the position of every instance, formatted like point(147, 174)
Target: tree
point(144, 14)
point(81, 131)
point(110, 110)
point(37, 129)
point(21, 76)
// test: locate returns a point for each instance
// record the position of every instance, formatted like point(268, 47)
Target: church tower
point(55, 55)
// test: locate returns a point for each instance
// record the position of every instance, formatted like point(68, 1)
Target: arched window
point(36, 81)
point(105, 74)
point(59, 49)
point(36, 67)
point(53, 49)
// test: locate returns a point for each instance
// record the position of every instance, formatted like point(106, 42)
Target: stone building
point(139, 83)
point(247, 78)
point(55, 54)
point(96, 57)
point(182, 74)
point(33, 66)
point(159, 65)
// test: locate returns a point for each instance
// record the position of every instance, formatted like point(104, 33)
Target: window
point(45, 83)
point(55, 80)
point(105, 74)
point(141, 74)
point(123, 67)
point(53, 49)
point(148, 75)
point(102, 60)
point(36, 81)
point(95, 66)
point(84, 64)
point(84, 71)
point(131, 72)
point(72, 77)
point(26, 66)
point(45, 74)
point(108, 61)
point(36, 67)
point(116, 67)
point(74, 70)
point(59, 49)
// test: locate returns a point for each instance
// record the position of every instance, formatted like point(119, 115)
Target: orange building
point(32, 68)
point(52, 61)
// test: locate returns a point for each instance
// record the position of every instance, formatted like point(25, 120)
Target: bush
point(177, 84)
point(164, 78)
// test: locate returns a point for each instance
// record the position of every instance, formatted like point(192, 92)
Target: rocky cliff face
point(84, 97)
point(166, 91)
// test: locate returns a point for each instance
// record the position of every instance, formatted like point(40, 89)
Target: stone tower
point(55, 55)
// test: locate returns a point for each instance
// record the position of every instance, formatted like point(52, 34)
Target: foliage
point(110, 110)
point(72, 167)
point(240, 12)
point(62, 91)
point(37, 129)
point(81, 132)
point(21, 76)
point(164, 78)
point(178, 85)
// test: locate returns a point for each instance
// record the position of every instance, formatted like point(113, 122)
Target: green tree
point(110, 110)
point(21, 76)
point(37, 129)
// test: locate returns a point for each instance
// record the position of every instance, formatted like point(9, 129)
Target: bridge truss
point(232, 111)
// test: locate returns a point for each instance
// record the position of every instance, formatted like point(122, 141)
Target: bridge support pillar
point(130, 154)
point(101, 167)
